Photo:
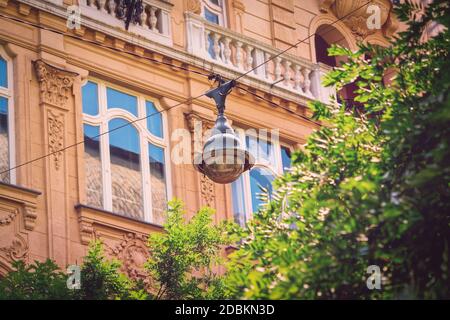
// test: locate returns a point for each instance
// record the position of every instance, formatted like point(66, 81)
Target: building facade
point(94, 114)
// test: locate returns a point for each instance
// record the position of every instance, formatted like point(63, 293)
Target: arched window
point(254, 188)
point(6, 119)
point(325, 36)
point(125, 165)
point(214, 11)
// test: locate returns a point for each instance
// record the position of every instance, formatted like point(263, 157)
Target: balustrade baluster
point(277, 71)
point(297, 78)
point(112, 7)
point(227, 49)
point(249, 57)
point(287, 73)
point(306, 82)
point(101, 5)
point(142, 17)
point(239, 55)
point(207, 43)
point(152, 19)
point(216, 46)
point(266, 65)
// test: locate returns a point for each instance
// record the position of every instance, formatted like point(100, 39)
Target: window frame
point(220, 11)
point(276, 169)
point(8, 93)
point(102, 120)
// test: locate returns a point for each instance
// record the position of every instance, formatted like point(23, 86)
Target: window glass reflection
point(117, 99)
point(126, 177)
point(3, 73)
point(211, 17)
point(154, 120)
point(237, 189)
point(93, 166)
point(260, 183)
point(90, 98)
point(4, 140)
point(158, 181)
point(261, 149)
point(285, 158)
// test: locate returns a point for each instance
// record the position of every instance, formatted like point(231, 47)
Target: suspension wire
point(189, 100)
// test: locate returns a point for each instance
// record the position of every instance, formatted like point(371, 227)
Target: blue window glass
point(237, 189)
point(3, 73)
point(216, 2)
point(90, 98)
point(211, 17)
point(285, 158)
point(154, 120)
point(260, 149)
point(260, 183)
point(126, 179)
point(117, 99)
point(93, 166)
point(158, 183)
point(4, 140)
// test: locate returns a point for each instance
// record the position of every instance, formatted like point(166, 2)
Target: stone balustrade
point(153, 23)
point(240, 53)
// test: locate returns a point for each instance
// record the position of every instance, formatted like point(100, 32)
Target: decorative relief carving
point(86, 230)
point(133, 252)
point(6, 217)
point(207, 190)
point(356, 19)
point(56, 136)
point(55, 84)
point(17, 250)
point(29, 216)
point(199, 127)
point(194, 6)
point(239, 6)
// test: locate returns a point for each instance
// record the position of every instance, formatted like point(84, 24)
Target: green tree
point(101, 278)
point(185, 258)
point(36, 281)
point(372, 186)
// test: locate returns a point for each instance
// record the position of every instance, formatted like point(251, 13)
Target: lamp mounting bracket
point(220, 93)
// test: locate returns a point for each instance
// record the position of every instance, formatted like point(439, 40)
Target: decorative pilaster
point(56, 136)
point(57, 99)
point(198, 127)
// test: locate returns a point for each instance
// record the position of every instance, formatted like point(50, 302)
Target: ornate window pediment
point(354, 14)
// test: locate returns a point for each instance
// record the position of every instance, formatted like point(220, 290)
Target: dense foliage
point(372, 186)
point(185, 259)
point(36, 281)
point(183, 264)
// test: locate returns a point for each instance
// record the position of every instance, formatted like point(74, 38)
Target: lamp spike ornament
point(223, 158)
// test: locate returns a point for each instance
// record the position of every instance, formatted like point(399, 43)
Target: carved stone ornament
point(17, 250)
point(7, 217)
point(199, 127)
point(354, 14)
point(239, 6)
point(194, 6)
point(30, 217)
point(133, 252)
point(55, 84)
point(207, 190)
point(56, 137)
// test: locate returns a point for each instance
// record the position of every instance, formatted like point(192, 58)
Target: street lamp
point(223, 158)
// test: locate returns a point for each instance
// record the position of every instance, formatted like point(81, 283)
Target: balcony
point(239, 53)
point(153, 24)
